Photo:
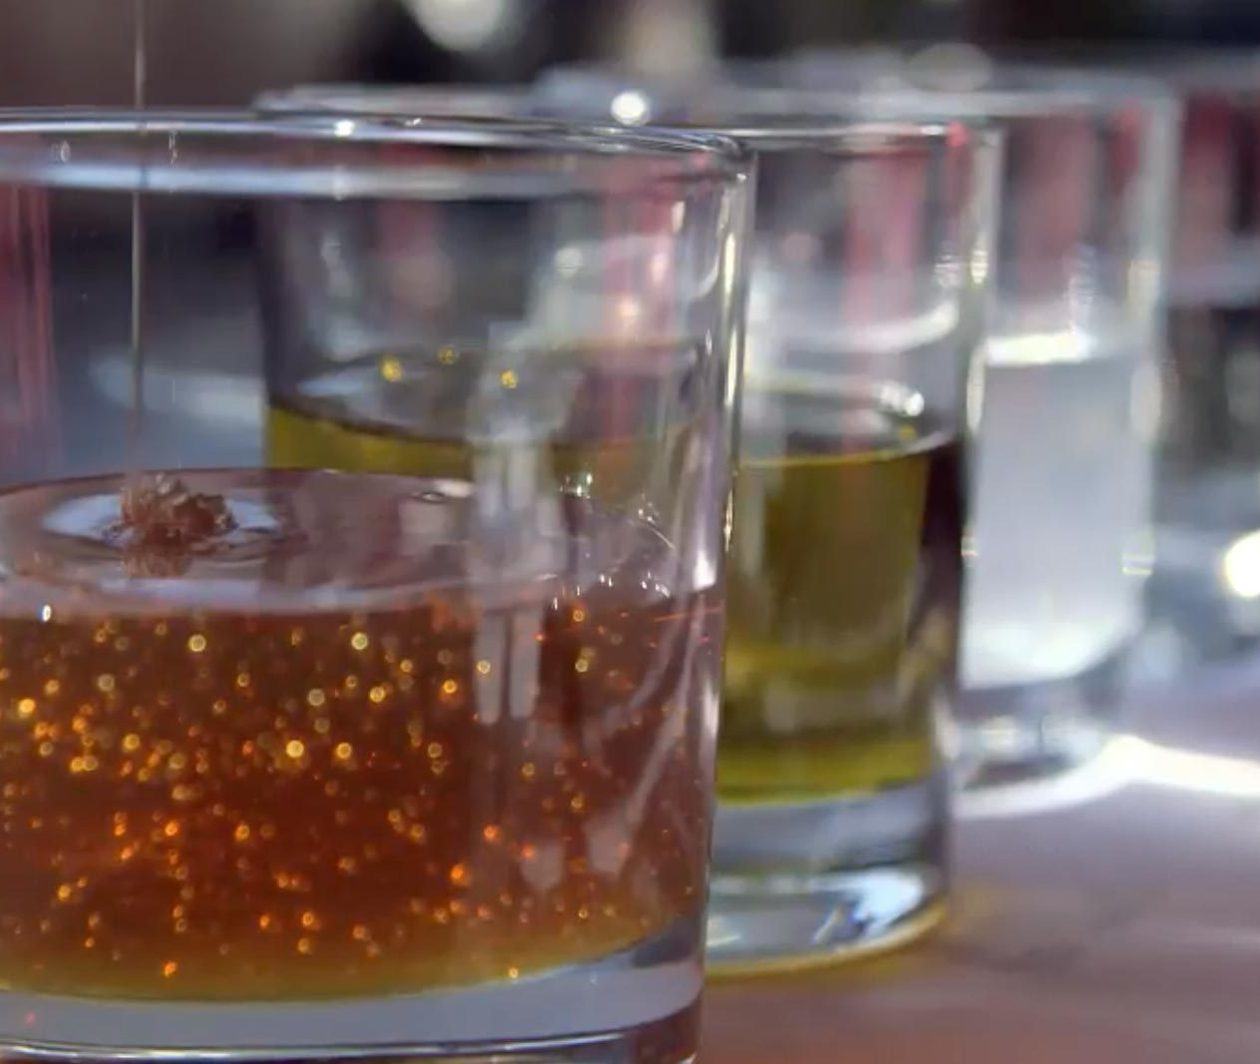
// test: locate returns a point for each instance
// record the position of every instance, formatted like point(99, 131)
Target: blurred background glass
point(1059, 541)
point(867, 279)
point(1205, 584)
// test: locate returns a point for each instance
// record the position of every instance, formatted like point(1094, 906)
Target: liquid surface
point(612, 421)
point(843, 581)
point(842, 595)
point(362, 738)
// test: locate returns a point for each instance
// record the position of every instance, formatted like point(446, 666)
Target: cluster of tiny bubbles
point(222, 803)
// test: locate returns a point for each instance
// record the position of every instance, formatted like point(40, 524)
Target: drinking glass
point(1206, 584)
point(866, 287)
point(1061, 538)
point(364, 492)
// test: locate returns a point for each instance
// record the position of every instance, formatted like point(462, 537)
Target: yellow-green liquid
point(843, 577)
point(608, 422)
point(842, 599)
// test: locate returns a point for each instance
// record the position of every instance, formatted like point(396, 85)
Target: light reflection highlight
point(467, 25)
point(1240, 567)
point(1124, 761)
point(630, 108)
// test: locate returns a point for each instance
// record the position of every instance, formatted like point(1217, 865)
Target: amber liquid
point(842, 594)
point(366, 742)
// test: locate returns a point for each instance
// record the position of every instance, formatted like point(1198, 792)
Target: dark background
point(226, 51)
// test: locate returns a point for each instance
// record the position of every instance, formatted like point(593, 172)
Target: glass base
point(1021, 732)
point(803, 884)
point(785, 924)
point(640, 1007)
point(670, 1040)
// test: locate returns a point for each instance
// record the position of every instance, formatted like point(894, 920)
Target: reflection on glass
point(358, 685)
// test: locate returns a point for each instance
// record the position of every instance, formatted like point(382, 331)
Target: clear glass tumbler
point(361, 545)
point(843, 592)
point(1061, 541)
point(867, 276)
point(1206, 584)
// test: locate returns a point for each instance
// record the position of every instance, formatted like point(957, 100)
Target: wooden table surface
point(1111, 915)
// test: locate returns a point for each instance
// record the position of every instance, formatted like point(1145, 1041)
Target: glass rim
point(322, 97)
point(974, 106)
point(207, 152)
point(858, 135)
point(1184, 68)
point(872, 88)
point(484, 132)
point(1013, 83)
